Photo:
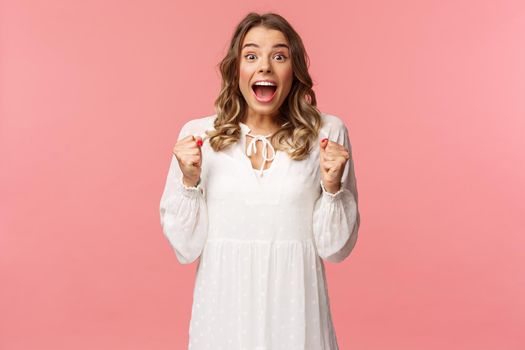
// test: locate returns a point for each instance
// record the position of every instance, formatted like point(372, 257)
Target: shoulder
point(333, 127)
point(197, 126)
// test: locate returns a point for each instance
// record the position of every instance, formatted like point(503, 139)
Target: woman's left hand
point(332, 158)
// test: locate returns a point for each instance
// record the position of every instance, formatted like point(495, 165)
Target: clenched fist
point(332, 158)
point(189, 155)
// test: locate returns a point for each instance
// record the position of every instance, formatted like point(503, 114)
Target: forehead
point(262, 36)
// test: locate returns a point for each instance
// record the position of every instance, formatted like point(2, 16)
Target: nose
point(265, 65)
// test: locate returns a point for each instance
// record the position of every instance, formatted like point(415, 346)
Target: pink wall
point(92, 96)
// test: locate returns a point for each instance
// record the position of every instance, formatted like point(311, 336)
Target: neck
point(262, 123)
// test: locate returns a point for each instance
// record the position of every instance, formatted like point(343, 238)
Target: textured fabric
point(261, 243)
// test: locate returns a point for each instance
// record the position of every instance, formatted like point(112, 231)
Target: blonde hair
point(298, 115)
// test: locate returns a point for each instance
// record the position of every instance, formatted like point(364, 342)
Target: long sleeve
point(336, 215)
point(183, 212)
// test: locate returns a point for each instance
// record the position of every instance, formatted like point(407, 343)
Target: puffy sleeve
point(183, 212)
point(336, 215)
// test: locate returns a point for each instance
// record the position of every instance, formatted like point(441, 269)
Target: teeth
point(264, 83)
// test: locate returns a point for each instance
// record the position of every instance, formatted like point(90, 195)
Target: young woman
point(262, 192)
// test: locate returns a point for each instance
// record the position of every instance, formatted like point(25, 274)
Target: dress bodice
point(260, 283)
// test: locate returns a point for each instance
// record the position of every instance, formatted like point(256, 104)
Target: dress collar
point(246, 129)
point(252, 148)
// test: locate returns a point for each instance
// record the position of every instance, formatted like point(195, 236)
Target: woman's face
point(265, 55)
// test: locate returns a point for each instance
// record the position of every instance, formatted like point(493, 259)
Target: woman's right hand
point(189, 155)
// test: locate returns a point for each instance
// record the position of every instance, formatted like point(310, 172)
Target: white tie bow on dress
point(252, 149)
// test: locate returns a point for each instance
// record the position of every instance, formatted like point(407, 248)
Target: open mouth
point(264, 93)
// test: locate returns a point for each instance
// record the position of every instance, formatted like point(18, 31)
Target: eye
point(283, 56)
point(250, 54)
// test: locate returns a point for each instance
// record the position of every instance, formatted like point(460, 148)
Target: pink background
point(92, 97)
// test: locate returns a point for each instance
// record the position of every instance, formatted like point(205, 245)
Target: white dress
point(261, 240)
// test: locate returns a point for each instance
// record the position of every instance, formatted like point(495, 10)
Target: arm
point(183, 213)
point(336, 215)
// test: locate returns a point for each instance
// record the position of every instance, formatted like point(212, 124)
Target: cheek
point(244, 81)
point(244, 75)
point(288, 77)
point(287, 74)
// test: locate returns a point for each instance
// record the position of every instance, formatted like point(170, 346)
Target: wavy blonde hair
point(298, 115)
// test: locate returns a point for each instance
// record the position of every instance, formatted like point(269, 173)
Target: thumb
point(323, 143)
point(199, 140)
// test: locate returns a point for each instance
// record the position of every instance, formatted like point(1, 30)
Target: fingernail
point(199, 142)
point(324, 140)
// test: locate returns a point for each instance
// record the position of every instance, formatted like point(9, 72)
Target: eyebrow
point(273, 47)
